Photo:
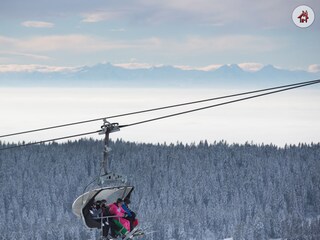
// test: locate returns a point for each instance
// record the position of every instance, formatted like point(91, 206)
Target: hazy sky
point(193, 33)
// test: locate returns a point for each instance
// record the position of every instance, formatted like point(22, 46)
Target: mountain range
point(106, 75)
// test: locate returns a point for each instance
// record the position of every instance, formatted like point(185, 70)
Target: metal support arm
point(105, 175)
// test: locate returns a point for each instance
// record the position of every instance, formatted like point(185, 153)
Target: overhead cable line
point(217, 105)
point(49, 140)
point(171, 115)
point(159, 108)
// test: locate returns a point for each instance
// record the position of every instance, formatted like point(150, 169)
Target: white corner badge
point(303, 16)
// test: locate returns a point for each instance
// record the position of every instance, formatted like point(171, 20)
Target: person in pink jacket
point(116, 210)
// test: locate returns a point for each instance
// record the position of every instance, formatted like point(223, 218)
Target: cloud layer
point(34, 68)
point(37, 24)
point(314, 68)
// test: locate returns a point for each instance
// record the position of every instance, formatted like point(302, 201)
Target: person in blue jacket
point(130, 215)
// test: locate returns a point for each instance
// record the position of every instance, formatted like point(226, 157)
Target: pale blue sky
point(185, 33)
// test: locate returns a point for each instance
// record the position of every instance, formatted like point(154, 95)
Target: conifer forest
point(182, 191)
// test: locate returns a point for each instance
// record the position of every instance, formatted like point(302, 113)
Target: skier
point(99, 212)
point(131, 215)
point(117, 211)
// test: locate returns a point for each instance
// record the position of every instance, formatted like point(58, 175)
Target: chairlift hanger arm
point(105, 175)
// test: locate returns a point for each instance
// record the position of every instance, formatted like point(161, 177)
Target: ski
point(134, 233)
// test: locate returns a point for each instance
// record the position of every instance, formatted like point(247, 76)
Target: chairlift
point(111, 186)
point(83, 203)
